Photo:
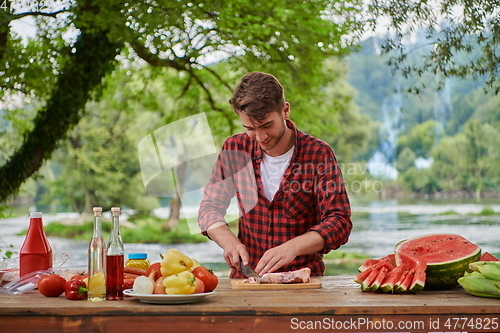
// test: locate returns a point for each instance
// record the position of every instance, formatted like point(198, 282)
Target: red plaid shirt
point(311, 197)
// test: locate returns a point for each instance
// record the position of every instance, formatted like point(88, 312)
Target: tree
point(64, 73)
point(421, 139)
point(462, 37)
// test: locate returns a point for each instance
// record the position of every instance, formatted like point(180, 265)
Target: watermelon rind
point(446, 275)
point(442, 275)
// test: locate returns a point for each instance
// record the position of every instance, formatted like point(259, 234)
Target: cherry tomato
point(156, 266)
point(51, 285)
point(210, 280)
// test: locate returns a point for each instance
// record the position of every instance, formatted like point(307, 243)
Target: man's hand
point(281, 255)
point(233, 253)
point(275, 258)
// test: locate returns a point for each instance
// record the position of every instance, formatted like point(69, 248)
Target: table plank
point(228, 310)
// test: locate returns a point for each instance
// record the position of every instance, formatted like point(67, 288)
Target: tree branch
point(53, 14)
point(154, 60)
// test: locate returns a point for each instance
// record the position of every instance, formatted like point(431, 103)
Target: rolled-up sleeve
point(333, 203)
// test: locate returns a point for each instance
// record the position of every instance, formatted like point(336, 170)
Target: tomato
point(199, 287)
point(156, 266)
point(210, 280)
point(79, 277)
point(51, 285)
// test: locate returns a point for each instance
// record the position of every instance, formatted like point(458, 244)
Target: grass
point(144, 229)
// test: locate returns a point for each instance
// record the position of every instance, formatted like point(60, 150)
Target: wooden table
point(339, 306)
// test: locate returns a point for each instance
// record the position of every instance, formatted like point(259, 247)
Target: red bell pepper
point(75, 290)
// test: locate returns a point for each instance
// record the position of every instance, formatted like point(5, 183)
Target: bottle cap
point(138, 256)
point(36, 215)
point(115, 211)
point(97, 211)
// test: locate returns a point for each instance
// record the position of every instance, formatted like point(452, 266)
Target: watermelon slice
point(392, 278)
point(364, 274)
point(378, 280)
point(418, 282)
point(401, 279)
point(405, 284)
point(366, 284)
point(447, 257)
point(488, 257)
point(389, 260)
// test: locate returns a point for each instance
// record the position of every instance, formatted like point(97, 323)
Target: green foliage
point(7, 254)
point(139, 229)
point(64, 73)
point(461, 38)
point(406, 159)
point(422, 138)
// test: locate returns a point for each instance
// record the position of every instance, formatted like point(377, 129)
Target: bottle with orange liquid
point(115, 260)
point(35, 253)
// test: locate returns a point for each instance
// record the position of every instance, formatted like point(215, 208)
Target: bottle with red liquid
point(35, 253)
point(115, 260)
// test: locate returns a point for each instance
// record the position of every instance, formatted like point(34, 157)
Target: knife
point(250, 273)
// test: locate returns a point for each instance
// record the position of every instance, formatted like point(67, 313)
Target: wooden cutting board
point(239, 284)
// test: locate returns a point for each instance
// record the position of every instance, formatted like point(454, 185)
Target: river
point(378, 226)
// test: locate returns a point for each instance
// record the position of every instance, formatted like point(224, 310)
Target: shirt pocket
point(300, 203)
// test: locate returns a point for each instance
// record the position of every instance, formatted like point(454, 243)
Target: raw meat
point(299, 276)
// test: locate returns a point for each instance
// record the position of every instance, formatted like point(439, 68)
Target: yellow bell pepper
point(195, 264)
point(180, 284)
point(174, 261)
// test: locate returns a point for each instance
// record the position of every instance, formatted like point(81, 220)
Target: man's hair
point(257, 95)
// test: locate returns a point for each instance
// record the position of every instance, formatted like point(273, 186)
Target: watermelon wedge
point(378, 280)
point(392, 278)
point(418, 282)
point(405, 284)
point(366, 284)
point(364, 274)
point(389, 260)
point(486, 256)
point(447, 257)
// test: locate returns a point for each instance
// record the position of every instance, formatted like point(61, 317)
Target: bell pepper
point(75, 290)
point(180, 284)
point(174, 262)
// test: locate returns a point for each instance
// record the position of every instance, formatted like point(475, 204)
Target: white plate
point(166, 299)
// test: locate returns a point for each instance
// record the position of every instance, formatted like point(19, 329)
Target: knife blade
point(250, 273)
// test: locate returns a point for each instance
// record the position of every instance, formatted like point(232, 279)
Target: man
point(290, 193)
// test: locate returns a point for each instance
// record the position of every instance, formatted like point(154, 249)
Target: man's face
point(268, 132)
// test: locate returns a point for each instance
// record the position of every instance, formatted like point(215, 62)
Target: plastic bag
point(23, 284)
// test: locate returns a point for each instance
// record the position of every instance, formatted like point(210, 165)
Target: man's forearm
point(222, 235)
point(308, 243)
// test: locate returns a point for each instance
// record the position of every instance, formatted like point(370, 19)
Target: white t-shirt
point(272, 170)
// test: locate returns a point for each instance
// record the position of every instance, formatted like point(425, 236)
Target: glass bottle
point(97, 261)
point(115, 260)
point(35, 253)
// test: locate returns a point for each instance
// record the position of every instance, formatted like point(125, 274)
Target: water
point(378, 227)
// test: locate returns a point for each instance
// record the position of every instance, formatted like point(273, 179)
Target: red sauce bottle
point(35, 253)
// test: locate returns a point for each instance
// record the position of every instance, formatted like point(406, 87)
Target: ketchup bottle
point(35, 253)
